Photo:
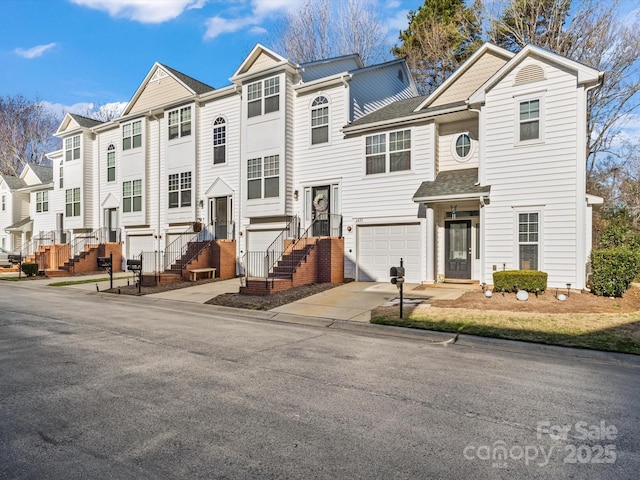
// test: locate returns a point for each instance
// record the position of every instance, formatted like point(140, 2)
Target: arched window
point(320, 120)
point(219, 141)
point(111, 163)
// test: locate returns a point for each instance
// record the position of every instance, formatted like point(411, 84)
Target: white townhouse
point(487, 173)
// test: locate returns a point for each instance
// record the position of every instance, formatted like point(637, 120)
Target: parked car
point(5, 257)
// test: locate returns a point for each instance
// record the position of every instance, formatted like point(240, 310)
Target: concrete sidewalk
point(352, 301)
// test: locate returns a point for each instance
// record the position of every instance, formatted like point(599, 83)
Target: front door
point(458, 249)
point(111, 219)
point(320, 210)
point(219, 216)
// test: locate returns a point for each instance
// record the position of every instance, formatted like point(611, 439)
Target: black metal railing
point(275, 251)
point(186, 247)
point(43, 239)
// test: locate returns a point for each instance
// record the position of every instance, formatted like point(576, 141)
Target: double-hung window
point(219, 141)
point(4, 203)
point(72, 202)
point(132, 196)
point(180, 123)
point(264, 92)
point(42, 202)
point(388, 152)
point(320, 120)
point(111, 163)
point(180, 190)
point(263, 177)
point(529, 120)
point(61, 176)
point(132, 135)
point(72, 148)
point(528, 240)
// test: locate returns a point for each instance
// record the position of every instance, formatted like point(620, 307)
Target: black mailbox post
point(16, 258)
point(107, 264)
point(135, 266)
point(397, 279)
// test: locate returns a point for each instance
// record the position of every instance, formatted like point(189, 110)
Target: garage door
point(257, 243)
point(380, 247)
point(137, 244)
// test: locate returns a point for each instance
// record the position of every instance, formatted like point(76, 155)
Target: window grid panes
point(271, 95)
point(219, 141)
point(132, 135)
point(271, 176)
point(61, 176)
point(185, 189)
point(375, 153)
point(111, 163)
point(42, 202)
point(72, 148)
point(174, 189)
point(530, 120)
point(320, 121)
point(132, 196)
point(179, 123)
point(400, 151)
point(72, 202)
point(254, 99)
point(254, 178)
point(528, 237)
point(463, 145)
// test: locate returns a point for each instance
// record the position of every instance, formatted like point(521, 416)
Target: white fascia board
point(455, 196)
point(594, 200)
point(275, 68)
point(350, 130)
point(323, 82)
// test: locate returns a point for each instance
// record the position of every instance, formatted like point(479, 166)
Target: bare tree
point(102, 112)
point(26, 129)
point(596, 36)
point(313, 33)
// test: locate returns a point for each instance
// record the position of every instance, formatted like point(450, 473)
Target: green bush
point(613, 270)
point(30, 269)
point(529, 280)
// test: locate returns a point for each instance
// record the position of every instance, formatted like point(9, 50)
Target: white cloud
point(218, 26)
point(34, 52)
point(143, 11)
point(263, 8)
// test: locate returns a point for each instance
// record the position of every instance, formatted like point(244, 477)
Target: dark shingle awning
point(24, 225)
point(452, 185)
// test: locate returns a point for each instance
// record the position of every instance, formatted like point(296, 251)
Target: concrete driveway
point(354, 301)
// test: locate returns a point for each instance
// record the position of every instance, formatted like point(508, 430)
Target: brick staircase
point(296, 267)
point(176, 271)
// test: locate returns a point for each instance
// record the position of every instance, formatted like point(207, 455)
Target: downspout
point(158, 236)
point(239, 201)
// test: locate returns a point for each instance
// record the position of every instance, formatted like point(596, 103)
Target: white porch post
point(431, 245)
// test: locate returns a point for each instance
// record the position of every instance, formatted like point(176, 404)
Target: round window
point(463, 145)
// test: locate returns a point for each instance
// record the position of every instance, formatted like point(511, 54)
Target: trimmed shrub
point(30, 269)
point(613, 270)
point(528, 280)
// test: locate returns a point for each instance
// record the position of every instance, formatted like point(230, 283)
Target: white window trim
point(263, 97)
point(518, 99)
point(454, 150)
point(132, 196)
point(44, 198)
point(263, 177)
point(387, 161)
point(226, 139)
point(539, 209)
point(131, 136)
point(328, 124)
point(79, 137)
point(111, 149)
point(181, 179)
point(179, 111)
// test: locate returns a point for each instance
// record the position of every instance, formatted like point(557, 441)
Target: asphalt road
point(99, 386)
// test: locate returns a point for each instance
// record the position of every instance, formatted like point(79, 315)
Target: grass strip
point(603, 331)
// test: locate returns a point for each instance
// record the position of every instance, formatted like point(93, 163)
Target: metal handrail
point(174, 252)
point(275, 251)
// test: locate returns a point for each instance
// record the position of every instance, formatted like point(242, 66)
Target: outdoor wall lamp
point(201, 203)
point(296, 194)
point(453, 211)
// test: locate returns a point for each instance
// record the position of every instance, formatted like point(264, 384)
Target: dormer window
point(72, 148)
point(263, 93)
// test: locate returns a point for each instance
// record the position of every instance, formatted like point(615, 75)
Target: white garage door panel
point(137, 244)
point(259, 240)
point(381, 246)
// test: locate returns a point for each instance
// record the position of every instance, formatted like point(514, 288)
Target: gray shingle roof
point(13, 182)
point(451, 183)
point(400, 109)
point(18, 224)
point(44, 173)
point(85, 122)
point(195, 85)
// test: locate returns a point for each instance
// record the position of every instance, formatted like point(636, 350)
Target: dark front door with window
point(458, 249)
point(320, 211)
point(112, 223)
point(219, 215)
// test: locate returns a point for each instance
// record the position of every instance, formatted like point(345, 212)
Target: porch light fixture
point(296, 194)
point(201, 203)
point(453, 211)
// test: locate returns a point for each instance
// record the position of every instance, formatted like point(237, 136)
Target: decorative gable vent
point(529, 74)
point(158, 75)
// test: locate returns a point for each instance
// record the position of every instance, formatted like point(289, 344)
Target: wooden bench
point(193, 273)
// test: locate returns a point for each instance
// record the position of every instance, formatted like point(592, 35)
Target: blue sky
point(73, 52)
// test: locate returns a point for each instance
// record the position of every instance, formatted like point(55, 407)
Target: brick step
point(260, 287)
